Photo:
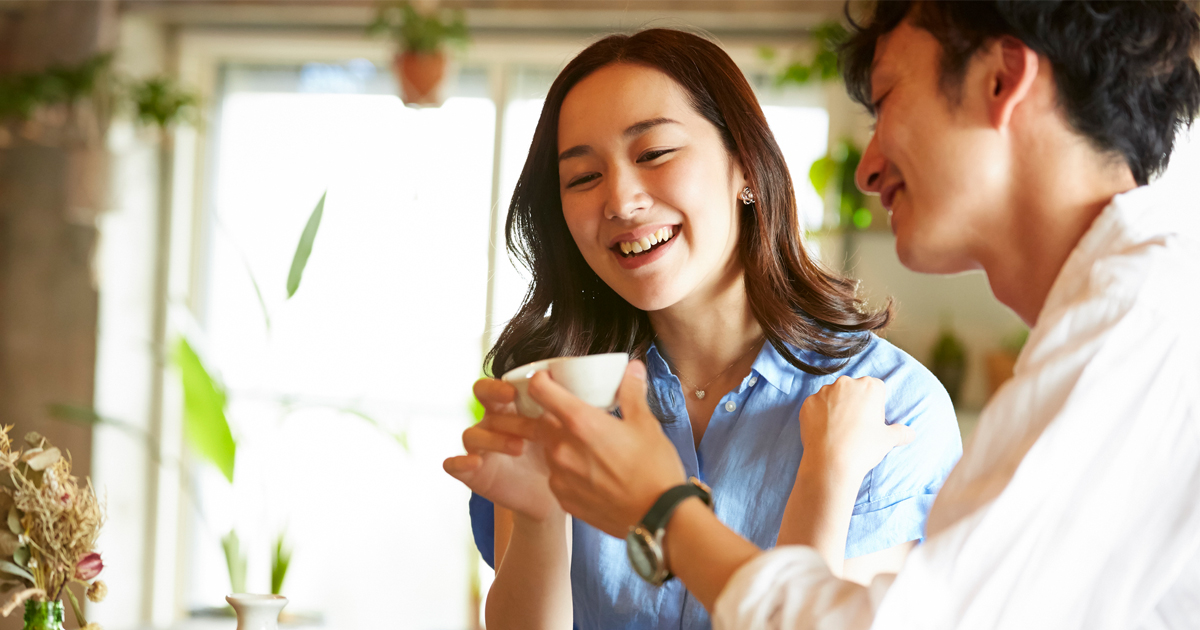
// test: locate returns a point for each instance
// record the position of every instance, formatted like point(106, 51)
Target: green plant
point(162, 102)
point(837, 169)
point(948, 362)
point(827, 37)
point(418, 32)
point(304, 247)
point(22, 94)
point(235, 561)
point(281, 559)
point(204, 421)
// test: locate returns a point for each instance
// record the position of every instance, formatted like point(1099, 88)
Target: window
point(346, 402)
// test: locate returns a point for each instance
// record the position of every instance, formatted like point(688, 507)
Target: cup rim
point(525, 372)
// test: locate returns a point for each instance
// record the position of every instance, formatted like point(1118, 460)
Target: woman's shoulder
point(911, 387)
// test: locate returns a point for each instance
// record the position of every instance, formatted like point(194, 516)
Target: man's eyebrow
point(634, 130)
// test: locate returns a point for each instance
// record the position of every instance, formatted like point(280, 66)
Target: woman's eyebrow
point(634, 130)
point(637, 129)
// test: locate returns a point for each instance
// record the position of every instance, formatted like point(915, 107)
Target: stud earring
point(747, 196)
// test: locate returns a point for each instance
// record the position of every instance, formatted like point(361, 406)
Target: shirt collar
point(772, 366)
point(769, 364)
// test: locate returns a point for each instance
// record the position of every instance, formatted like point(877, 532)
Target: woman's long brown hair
point(570, 311)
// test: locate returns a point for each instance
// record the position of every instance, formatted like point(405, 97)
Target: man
point(1016, 137)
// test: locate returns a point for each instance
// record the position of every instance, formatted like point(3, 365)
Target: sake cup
point(594, 379)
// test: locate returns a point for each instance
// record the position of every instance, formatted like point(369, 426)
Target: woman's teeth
point(646, 242)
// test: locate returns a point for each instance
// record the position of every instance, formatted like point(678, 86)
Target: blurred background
point(251, 258)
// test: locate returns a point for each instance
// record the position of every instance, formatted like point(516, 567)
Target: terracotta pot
point(999, 369)
point(420, 77)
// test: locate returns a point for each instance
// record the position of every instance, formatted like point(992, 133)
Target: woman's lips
point(640, 260)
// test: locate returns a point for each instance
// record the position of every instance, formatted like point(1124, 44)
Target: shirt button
point(730, 406)
point(753, 381)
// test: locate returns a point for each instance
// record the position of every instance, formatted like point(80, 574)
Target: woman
point(657, 217)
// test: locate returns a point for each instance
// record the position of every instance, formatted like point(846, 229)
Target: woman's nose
point(626, 195)
point(869, 174)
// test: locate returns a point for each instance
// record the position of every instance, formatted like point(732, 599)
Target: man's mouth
point(888, 196)
point(646, 244)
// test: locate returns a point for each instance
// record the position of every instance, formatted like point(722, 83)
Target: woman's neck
point(707, 331)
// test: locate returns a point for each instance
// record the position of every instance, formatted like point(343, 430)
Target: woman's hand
point(604, 470)
point(500, 464)
point(843, 430)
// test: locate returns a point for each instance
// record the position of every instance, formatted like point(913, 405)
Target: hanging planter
point(420, 65)
point(419, 75)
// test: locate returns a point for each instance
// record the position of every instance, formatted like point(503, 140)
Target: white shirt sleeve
point(791, 588)
point(1075, 505)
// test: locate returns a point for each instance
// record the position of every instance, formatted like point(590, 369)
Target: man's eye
point(582, 180)
point(650, 156)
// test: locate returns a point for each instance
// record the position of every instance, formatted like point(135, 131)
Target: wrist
point(552, 519)
point(687, 513)
point(827, 477)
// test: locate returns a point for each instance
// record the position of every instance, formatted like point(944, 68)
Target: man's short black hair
point(1126, 71)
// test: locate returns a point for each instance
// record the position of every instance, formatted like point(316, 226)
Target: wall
point(52, 189)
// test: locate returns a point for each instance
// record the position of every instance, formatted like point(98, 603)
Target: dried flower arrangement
point(50, 536)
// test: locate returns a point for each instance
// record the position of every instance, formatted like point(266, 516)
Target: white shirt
point(1077, 501)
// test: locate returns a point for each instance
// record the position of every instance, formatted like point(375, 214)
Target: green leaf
point(14, 521)
point(280, 562)
point(304, 248)
point(821, 172)
point(13, 569)
point(401, 438)
point(235, 561)
point(205, 427)
point(21, 557)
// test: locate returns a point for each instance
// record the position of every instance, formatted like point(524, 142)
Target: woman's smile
point(633, 251)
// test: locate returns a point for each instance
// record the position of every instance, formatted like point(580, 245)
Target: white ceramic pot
point(257, 612)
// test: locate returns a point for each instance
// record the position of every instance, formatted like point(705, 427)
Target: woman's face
point(649, 191)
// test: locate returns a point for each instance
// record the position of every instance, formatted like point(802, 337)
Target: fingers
point(462, 467)
point(494, 394)
point(902, 434)
point(513, 424)
point(632, 394)
point(479, 440)
point(574, 414)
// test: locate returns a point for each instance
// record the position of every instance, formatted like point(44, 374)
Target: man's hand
point(606, 471)
point(500, 464)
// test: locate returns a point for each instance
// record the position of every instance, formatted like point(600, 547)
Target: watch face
point(641, 554)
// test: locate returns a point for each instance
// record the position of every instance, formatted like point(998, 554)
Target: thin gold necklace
point(700, 391)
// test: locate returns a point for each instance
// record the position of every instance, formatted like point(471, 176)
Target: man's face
point(938, 166)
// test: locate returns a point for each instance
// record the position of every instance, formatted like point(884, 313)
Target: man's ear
point(1010, 80)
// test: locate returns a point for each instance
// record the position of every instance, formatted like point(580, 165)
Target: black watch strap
point(662, 509)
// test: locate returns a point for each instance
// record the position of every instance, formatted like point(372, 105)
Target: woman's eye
point(582, 180)
point(650, 156)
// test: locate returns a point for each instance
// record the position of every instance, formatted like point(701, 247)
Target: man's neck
point(1051, 211)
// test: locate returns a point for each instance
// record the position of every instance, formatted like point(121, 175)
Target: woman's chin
point(648, 299)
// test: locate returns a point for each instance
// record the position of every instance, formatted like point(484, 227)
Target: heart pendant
point(700, 393)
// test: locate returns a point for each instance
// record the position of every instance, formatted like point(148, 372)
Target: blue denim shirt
point(749, 456)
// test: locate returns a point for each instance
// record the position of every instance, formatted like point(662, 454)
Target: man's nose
point(869, 174)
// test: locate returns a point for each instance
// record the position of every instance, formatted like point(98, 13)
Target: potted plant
point(420, 64)
point(48, 540)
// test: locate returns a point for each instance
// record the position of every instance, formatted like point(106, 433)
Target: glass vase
point(43, 615)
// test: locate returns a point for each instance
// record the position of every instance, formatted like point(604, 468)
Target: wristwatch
point(644, 541)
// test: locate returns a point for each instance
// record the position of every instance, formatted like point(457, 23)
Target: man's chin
point(923, 257)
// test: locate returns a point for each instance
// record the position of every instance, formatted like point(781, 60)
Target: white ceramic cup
point(594, 379)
